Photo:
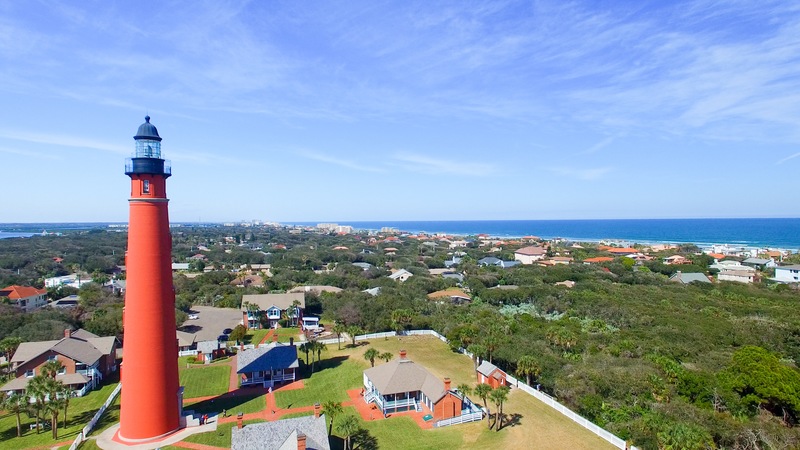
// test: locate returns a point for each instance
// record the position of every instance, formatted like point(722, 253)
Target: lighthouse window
point(146, 187)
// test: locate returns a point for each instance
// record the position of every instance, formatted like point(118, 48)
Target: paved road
point(211, 321)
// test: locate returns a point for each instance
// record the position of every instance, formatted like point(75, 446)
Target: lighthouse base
point(110, 438)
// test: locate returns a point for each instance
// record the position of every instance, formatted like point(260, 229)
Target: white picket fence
point(90, 426)
point(188, 352)
point(464, 418)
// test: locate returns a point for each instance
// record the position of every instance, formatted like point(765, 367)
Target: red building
point(151, 396)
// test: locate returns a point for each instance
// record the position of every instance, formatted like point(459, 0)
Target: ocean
point(776, 233)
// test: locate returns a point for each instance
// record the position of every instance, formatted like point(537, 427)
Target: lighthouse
point(151, 401)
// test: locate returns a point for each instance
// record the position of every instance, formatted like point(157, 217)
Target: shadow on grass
point(511, 420)
point(362, 440)
point(229, 401)
point(325, 364)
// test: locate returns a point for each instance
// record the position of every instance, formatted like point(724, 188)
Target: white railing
point(464, 418)
point(90, 426)
point(188, 353)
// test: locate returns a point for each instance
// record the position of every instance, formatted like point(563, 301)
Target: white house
point(528, 255)
point(740, 276)
point(788, 274)
point(26, 298)
point(401, 275)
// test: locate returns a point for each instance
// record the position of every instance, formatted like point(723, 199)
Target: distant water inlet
point(6, 234)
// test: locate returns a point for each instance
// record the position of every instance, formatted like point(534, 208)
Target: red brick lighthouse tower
point(151, 395)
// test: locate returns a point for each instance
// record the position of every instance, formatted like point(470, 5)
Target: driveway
point(211, 321)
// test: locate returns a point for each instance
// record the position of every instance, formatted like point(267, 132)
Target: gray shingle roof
point(281, 434)
point(207, 346)
point(404, 375)
point(486, 368)
point(273, 356)
point(282, 301)
point(82, 346)
point(688, 277)
point(79, 350)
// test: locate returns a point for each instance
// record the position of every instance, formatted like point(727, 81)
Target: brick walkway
point(371, 412)
point(194, 446)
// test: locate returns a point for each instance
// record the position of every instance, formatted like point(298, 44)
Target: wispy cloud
point(64, 141)
point(436, 166)
point(788, 158)
point(337, 161)
point(598, 146)
point(28, 153)
point(590, 174)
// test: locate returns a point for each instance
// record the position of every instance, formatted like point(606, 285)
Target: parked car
point(193, 317)
point(222, 338)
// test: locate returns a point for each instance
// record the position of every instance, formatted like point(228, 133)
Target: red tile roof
point(533, 250)
point(598, 259)
point(17, 292)
point(622, 250)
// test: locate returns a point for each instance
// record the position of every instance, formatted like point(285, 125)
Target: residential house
point(86, 357)
point(186, 342)
point(315, 289)
point(760, 263)
point(675, 260)
point(598, 260)
point(454, 261)
point(297, 433)
point(459, 277)
point(739, 276)
point(363, 265)
point(268, 365)
point(490, 374)
point(561, 260)
point(401, 275)
point(402, 385)
point(75, 280)
point(689, 277)
point(26, 298)
point(208, 351)
point(492, 261)
point(788, 274)
point(731, 265)
point(624, 251)
point(274, 306)
point(180, 266)
point(373, 291)
point(528, 255)
point(309, 323)
point(456, 296)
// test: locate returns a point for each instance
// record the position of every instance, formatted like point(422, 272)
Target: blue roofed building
point(268, 365)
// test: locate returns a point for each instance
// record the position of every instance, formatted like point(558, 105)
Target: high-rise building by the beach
point(151, 396)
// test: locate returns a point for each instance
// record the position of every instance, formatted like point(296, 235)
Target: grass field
point(246, 403)
point(80, 412)
point(201, 381)
point(333, 376)
point(285, 333)
point(255, 336)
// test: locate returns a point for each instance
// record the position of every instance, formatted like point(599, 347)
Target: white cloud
point(339, 161)
point(788, 158)
point(64, 140)
point(435, 166)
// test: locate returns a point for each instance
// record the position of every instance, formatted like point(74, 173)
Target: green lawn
point(255, 336)
point(201, 381)
point(80, 412)
point(333, 376)
point(246, 403)
point(219, 438)
point(285, 333)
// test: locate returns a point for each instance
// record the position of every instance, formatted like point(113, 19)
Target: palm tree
point(371, 354)
point(51, 368)
point(66, 393)
point(477, 351)
point(527, 367)
point(386, 356)
point(353, 331)
point(38, 389)
point(331, 409)
point(464, 389)
point(339, 328)
point(16, 404)
point(53, 408)
point(305, 347)
point(400, 318)
point(499, 396)
point(348, 427)
point(320, 347)
point(483, 391)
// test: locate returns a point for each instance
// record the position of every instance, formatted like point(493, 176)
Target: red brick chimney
point(301, 441)
point(67, 332)
point(316, 410)
point(402, 354)
point(447, 384)
point(240, 421)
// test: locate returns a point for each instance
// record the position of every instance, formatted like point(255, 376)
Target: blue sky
point(368, 110)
